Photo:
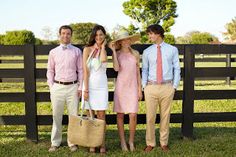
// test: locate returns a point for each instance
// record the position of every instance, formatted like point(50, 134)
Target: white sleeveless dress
point(98, 87)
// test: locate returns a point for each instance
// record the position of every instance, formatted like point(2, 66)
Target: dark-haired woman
point(95, 89)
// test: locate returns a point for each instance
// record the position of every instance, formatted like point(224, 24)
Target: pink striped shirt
point(65, 65)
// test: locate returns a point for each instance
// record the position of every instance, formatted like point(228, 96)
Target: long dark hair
point(93, 34)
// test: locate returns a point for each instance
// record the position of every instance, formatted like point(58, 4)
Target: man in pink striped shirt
point(64, 77)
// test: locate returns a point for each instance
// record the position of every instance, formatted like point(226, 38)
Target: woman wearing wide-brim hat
point(128, 89)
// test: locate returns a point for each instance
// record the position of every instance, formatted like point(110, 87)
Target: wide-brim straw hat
point(121, 35)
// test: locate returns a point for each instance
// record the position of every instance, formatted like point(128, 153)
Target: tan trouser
point(161, 95)
point(61, 94)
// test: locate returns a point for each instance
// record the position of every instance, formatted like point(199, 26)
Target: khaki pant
point(61, 94)
point(161, 95)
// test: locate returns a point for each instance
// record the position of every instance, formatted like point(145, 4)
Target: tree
point(149, 12)
point(38, 41)
point(183, 40)
point(50, 42)
point(230, 33)
point(2, 39)
point(20, 37)
point(169, 38)
point(132, 29)
point(196, 37)
point(81, 32)
point(201, 38)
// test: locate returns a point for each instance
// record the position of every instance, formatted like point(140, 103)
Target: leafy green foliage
point(196, 37)
point(81, 32)
point(151, 12)
point(230, 33)
point(20, 37)
point(38, 41)
point(2, 39)
point(50, 42)
point(169, 38)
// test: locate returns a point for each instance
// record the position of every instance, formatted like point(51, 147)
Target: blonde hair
point(134, 52)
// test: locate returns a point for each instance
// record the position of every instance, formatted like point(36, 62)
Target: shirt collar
point(162, 44)
point(65, 46)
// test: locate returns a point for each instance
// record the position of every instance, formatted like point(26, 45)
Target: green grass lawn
point(211, 139)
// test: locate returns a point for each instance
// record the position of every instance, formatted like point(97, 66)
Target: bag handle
point(90, 110)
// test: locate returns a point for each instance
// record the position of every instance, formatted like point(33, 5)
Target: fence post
point(228, 64)
point(0, 63)
point(188, 95)
point(30, 94)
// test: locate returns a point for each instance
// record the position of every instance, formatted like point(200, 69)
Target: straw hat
point(125, 35)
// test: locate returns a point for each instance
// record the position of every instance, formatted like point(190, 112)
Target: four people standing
point(160, 78)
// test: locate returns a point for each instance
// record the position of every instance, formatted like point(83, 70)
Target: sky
point(202, 15)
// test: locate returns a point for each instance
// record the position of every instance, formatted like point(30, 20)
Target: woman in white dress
point(95, 89)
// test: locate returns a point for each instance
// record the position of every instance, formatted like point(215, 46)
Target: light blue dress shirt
point(170, 64)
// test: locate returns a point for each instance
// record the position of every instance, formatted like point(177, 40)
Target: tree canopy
point(147, 12)
point(197, 37)
point(230, 33)
point(19, 37)
point(81, 32)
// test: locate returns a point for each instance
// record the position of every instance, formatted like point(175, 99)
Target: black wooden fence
point(189, 73)
point(227, 59)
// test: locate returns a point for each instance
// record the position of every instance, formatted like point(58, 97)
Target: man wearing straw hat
point(160, 79)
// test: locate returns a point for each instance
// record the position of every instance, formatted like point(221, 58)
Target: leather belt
point(66, 83)
point(155, 82)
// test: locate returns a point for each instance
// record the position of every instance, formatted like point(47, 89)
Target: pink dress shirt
point(65, 65)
